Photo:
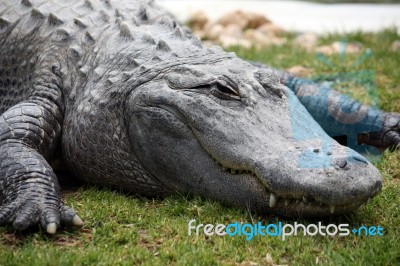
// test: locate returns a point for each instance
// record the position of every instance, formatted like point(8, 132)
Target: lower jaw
point(312, 210)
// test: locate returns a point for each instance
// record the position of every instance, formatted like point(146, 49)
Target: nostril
point(345, 163)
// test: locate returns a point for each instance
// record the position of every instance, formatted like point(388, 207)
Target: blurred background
point(321, 16)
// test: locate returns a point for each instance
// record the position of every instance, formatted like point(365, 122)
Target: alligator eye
point(202, 87)
point(224, 92)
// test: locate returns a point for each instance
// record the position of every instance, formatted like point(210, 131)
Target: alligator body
point(129, 99)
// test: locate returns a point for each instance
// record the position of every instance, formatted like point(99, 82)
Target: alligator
point(130, 99)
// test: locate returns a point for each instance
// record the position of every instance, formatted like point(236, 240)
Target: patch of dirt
point(86, 235)
point(146, 241)
point(11, 239)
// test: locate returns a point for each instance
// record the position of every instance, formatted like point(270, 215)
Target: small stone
point(351, 48)
point(270, 29)
point(395, 46)
point(198, 20)
point(256, 20)
point(245, 20)
point(325, 49)
point(254, 36)
point(299, 70)
point(307, 40)
point(232, 30)
point(337, 47)
point(261, 40)
point(214, 32)
point(227, 41)
point(238, 18)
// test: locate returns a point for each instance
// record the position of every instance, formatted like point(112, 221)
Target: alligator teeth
point(305, 200)
point(287, 202)
point(272, 200)
point(332, 208)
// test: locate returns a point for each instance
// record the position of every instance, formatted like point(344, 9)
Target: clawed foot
point(24, 213)
point(388, 137)
point(392, 136)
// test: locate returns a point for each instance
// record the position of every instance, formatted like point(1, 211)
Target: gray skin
point(129, 99)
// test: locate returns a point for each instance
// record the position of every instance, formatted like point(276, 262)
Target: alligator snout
point(329, 183)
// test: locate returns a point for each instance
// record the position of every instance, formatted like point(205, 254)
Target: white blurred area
point(297, 15)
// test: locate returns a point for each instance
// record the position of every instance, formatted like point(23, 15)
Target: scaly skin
point(133, 101)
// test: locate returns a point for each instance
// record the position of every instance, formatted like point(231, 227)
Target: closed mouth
point(299, 205)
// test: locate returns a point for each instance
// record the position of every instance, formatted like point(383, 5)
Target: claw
point(77, 220)
point(272, 200)
point(51, 228)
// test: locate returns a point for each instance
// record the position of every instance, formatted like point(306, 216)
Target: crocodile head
point(229, 131)
point(204, 122)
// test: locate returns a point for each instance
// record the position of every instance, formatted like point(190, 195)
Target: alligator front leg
point(29, 190)
point(340, 115)
point(388, 136)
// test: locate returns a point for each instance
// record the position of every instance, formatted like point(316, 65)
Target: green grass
point(127, 230)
